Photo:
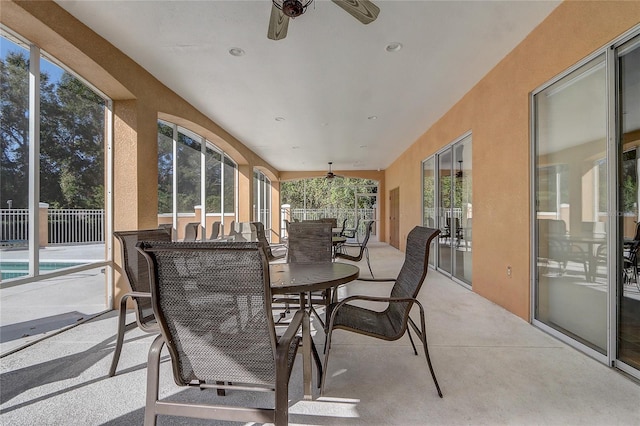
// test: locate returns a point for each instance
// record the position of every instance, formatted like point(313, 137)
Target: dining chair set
point(211, 304)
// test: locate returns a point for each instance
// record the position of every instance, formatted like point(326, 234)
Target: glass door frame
point(627, 44)
point(612, 52)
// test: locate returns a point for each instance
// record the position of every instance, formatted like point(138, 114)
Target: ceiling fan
point(281, 10)
point(330, 175)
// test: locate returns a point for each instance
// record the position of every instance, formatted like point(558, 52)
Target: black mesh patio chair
point(137, 273)
point(268, 247)
point(343, 253)
point(310, 242)
point(392, 322)
point(351, 232)
point(232, 229)
point(191, 231)
point(215, 231)
point(213, 304)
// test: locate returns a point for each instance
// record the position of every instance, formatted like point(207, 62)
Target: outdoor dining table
point(303, 278)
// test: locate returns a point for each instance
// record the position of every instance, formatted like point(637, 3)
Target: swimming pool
point(14, 269)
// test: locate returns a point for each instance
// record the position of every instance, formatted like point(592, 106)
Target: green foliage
point(71, 139)
point(324, 193)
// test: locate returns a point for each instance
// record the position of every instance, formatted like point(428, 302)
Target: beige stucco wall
point(497, 112)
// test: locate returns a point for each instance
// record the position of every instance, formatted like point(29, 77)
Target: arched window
point(196, 180)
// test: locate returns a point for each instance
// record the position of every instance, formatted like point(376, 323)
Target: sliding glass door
point(571, 197)
point(628, 288)
point(586, 198)
point(447, 205)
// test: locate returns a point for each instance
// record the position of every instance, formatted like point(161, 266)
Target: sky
point(54, 71)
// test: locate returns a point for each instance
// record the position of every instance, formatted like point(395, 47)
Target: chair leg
point(153, 380)
point(122, 316)
point(316, 358)
point(415, 351)
point(366, 252)
point(426, 351)
point(281, 415)
point(327, 345)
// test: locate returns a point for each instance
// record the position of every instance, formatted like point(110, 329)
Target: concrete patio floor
point(493, 368)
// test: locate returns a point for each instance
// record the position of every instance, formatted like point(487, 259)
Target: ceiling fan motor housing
point(292, 8)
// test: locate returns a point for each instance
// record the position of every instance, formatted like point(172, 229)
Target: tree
point(71, 138)
point(14, 130)
point(321, 193)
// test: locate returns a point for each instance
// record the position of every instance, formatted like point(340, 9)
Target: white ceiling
point(326, 78)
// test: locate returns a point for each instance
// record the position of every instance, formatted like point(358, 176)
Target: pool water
point(15, 269)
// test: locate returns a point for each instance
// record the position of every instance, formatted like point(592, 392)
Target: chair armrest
point(374, 299)
point(133, 295)
point(368, 299)
point(376, 280)
point(292, 329)
point(138, 294)
point(284, 343)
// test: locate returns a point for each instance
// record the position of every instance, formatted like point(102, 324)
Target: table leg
point(306, 350)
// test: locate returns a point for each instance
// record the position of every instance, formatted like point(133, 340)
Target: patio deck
point(493, 367)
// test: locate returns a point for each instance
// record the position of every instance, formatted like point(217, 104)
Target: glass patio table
point(303, 278)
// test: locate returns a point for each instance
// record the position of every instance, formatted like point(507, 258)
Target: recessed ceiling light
point(372, 117)
point(236, 51)
point(394, 47)
point(279, 118)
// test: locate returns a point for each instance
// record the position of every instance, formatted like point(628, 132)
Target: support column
point(276, 219)
point(245, 193)
point(135, 177)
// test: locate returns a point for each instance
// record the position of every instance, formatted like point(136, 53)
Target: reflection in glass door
point(461, 220)
point(445, 161)
point(429, 201)
point(571, 206)
point(628, 291)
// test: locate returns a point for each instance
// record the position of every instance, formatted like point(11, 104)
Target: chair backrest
point(310, 242)
point(168, 227)
point(412, 274)
point(368, 226)
point(351, 232)
point(332, 220)
point(261, 238)
point(135, 265)
point(213, 304)
point(244, 231)
point(191, 231)
point(215, 230)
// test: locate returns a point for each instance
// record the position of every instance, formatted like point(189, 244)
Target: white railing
point(14, 226)
point(64, 226)
point(352, 215)
point(445, 213)
point(71, 226)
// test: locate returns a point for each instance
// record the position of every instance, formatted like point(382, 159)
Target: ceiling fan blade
point(278, 24)
point(363, 10)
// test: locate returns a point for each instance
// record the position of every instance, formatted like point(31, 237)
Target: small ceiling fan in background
point(281, 10)
point(330, 175)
